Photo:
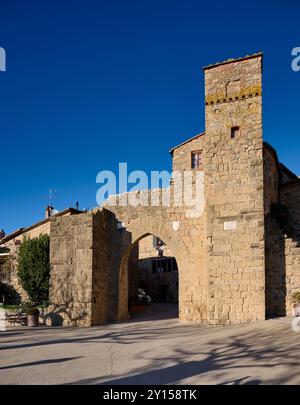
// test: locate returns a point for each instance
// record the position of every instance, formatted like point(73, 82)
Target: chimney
point(48, 212)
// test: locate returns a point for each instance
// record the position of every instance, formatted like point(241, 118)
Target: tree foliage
point(34, 268)
point(6, 268)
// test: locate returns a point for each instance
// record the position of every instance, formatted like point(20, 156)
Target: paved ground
point(152, 351)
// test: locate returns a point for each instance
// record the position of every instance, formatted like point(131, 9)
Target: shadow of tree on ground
point(255, 353)
point(40, 362)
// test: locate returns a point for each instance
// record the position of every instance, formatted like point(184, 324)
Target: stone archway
point(139, 229)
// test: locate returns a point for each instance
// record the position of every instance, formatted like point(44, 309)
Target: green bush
point(32, 311)
point(6, 269)
point(34, 268)
point(12, 306)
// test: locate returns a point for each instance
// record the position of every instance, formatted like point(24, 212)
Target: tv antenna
point(52, 191)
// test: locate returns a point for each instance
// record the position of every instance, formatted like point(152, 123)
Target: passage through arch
point(149, 279)
point(140, 230)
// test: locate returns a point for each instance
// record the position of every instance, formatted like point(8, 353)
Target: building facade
point(157, 270)
point(11, 243)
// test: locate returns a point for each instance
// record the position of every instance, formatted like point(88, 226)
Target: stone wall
point(71, 255)
point(282, 245)
point(292, 273)
point(182, 155)
point(234, 192)
point(290, 197)
point(275, 269)
point(86, 252)
point(110, 244)
point(274, 240)
point(220, 252)
point(234, 263)
point(271, 180)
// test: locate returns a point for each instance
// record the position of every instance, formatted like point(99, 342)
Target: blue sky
point(90, 84)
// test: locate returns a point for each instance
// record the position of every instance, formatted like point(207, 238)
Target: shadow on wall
point(111, 242)
point(275, 277)
point(91, 263)
point(8, 294)
point(85, 279)
point(56, 319)
point(61, 315)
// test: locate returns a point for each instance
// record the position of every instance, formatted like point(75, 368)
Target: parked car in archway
point(143, 298)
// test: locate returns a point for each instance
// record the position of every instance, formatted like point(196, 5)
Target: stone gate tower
point(221, 253)
point(237, 248)
point(234, 191)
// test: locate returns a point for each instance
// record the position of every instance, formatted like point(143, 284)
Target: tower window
point(196, 159)
point(233, 87)
point(235, 132)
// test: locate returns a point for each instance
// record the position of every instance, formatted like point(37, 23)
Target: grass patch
point(7, 306)
point(18, 306)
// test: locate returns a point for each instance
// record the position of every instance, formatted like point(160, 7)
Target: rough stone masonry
point(238, 262)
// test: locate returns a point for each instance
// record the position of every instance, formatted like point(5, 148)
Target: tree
point(6, 268)
point(34, 268)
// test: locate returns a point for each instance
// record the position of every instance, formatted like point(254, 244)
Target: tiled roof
point(255, 55)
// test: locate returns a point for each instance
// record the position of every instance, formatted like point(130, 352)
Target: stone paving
point(152, 349)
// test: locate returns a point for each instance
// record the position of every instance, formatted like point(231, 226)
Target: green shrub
point(7, 268)
point(32, 311)
point(34, 268)
point(13, 306)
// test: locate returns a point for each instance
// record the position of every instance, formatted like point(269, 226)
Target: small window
point(196, 159)
point(233, 87)
point(235, 132)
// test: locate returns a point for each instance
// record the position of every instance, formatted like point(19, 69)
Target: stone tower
point(234, 191)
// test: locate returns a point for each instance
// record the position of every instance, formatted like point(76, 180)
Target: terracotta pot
point(32, 320)
point(297, 309)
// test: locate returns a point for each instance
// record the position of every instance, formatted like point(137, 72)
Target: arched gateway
point(232, 256)
point(90, 253)
point(139, 229)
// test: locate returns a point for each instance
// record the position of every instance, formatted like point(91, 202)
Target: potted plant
point(32, 316)
point(295, 299)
